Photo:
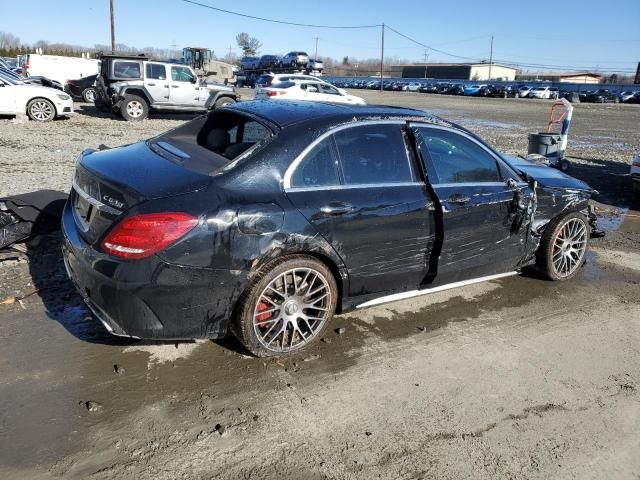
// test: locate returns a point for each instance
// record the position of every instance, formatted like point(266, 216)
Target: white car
point(635, 176)
point(412, 87)
point(268, 79)
point(523, 91)
point(544, 92)
point(315, 65)
point(317, 91)
point(40, 103)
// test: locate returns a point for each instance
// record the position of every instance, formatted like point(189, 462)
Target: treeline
point(11, 46)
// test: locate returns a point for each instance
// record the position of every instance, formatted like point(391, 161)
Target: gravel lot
point(518, 378)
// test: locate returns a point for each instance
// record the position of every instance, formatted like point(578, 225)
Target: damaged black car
point(264, 219)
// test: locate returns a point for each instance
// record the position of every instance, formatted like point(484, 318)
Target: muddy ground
point(517, 378)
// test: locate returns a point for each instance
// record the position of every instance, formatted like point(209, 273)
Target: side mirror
point(194, 79)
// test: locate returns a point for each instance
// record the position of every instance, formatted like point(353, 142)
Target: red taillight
point(143, 235)
point(274, 93)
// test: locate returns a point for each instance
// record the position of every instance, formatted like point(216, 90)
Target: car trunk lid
point(108, 183)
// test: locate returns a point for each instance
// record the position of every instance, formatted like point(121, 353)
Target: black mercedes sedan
point(266, 218)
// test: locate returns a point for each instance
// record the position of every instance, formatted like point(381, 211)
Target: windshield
point(9, 79)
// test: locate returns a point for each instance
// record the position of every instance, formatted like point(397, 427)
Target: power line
point(428, 46)
point(282, 22)
point(510, 62)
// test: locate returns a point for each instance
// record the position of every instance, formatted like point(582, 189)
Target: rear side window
point(126, 70)
point(457, 159)
point(156, 71)
point(372, 154)
point(318, 168)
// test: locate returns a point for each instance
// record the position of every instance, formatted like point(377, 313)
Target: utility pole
point(490, 57)
point(113, 30)
point(426, 57)
point(316, 54)
point(382, 59)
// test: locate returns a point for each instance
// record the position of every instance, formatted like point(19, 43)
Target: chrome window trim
point(360, 185)
point(95, 202)
point(286, 182)
point(493, 154)
point(476, 184)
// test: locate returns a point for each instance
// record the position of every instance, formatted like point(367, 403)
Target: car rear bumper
point(150, 298)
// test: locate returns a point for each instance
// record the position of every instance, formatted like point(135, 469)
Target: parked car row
point(602, 95)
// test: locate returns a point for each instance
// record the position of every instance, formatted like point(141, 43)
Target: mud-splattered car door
point(482, 202)
point(359, 189)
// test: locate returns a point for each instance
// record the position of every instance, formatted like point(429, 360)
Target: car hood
point(31, 89)
point(547, 176)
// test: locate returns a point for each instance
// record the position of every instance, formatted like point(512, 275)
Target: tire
point(563, 246)
point(89, 95)
point(563, 166)
point(223, 102)
point(134, 108)
point(295, 325)
point(41, 110)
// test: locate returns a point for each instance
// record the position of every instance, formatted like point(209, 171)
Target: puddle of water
point(468, 122)
point(613, 219)
point(163, 353)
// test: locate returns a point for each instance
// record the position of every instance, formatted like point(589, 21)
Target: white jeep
point(134, 85)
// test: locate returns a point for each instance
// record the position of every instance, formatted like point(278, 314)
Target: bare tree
point(8, 40)
point(249, 45)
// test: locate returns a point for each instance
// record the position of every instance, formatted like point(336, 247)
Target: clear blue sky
point(581, 33)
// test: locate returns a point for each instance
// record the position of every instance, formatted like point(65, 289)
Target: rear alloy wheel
point(563, 246)
point(41, 110)
point(89, 95)
point(287, 307)
point(134, 108)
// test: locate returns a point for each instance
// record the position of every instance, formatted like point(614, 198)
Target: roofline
point(479, 64)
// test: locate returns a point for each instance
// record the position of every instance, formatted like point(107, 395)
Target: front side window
point(458, 159)
point(181, 74)
point(318, 168)
point(156, 71)
point(372, 154)
point(127, 70)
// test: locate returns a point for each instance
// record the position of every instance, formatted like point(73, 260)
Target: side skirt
point(426, 291)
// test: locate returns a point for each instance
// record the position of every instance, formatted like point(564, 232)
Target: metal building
point(457, 71)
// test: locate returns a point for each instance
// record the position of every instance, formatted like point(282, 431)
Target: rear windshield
point(210, 142)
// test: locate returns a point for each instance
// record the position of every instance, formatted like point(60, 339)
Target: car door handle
point(175, 86)
point(337, 208)
point(151, 84)
point(459, 198)
point(166, 86)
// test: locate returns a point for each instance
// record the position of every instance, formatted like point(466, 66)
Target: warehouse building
point(457, 71)
point(580, 77)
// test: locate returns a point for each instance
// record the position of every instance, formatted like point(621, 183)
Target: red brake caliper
point(262, 306)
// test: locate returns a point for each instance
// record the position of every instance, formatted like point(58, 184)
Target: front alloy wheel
point(563, 246)
point(41, 110)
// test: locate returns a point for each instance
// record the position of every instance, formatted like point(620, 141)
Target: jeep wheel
point(89, 95)
point(223, 102)
point(134, 108)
